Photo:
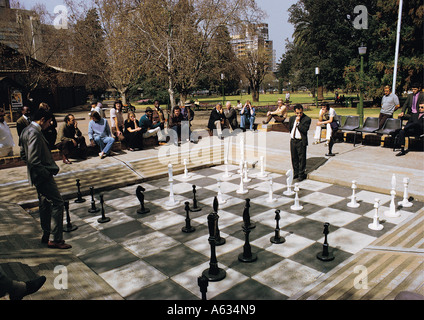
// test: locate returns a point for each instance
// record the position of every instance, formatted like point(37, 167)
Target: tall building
point(251, 38)
point(21, 30)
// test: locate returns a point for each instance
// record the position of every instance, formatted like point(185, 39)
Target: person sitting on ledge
point(414, 127)
point(217, 120)
point(248, 115)
point(70, 140)
point(99, 133)
point(278, 115)
point(132, 133)
point(149, 129)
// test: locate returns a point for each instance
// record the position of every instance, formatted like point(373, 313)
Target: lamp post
point(317, 73)
point(362, 51)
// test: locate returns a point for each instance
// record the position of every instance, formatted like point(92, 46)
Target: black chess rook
point(140, 195)
point(188, 228)
point(103, 218)
point(213, 273)
point(325, 255)
point(277, 239)
point(79, 199)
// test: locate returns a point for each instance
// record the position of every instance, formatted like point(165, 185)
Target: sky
point(277, 19)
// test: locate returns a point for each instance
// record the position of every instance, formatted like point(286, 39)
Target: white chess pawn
point(246, 177)
point(270, 194)
point(262, 174)
point(353, 203)
point(241, 189)
point(405, 202)
point(221, 199)
point(227, 174)
point(296, 205)
point(392, 213)
point(375, 225)
point(186, 174)
point(171, 201)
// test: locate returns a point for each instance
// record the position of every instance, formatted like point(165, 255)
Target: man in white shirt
point(299, 125)
point(6, 139)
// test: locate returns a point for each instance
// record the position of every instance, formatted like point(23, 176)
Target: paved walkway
point(372, 167)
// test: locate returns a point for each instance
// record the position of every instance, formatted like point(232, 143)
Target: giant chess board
point(147, 256)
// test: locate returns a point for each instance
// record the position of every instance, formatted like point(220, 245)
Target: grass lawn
point(297, 97)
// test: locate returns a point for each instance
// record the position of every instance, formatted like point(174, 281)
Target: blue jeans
point(247, 120)
point(105, 143)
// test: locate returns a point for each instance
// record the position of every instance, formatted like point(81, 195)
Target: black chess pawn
point(247, 255)
point(246, 215)
point(203, 283)
point(188, 228)
point(195, 207)
point(68, 227)
point(325, 255)
point(103, 218)
point(93, 208)
point(140, 195)
point(79, 199)
point(213, 273)
point(219, 241)
point(277, 239)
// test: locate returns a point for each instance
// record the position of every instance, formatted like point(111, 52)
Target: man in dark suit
point(41, 167)
point(23, 121)
point(412, 102)
point(414, 127)
point(217, 120)
point(299, 125)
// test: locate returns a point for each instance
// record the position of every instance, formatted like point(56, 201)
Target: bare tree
point(177, 34)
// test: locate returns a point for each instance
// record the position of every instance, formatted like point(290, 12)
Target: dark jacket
point(407, 106)
point(37, 156)
point(231, 115)
point(146, 124)
point(215, 116)
point(21, 123)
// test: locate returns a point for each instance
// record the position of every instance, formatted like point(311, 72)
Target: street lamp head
point(317, 71)
point(362, 50)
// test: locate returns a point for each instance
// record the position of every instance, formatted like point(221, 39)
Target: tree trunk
point(123, 93)
point(170, 80)
point(255, 94)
